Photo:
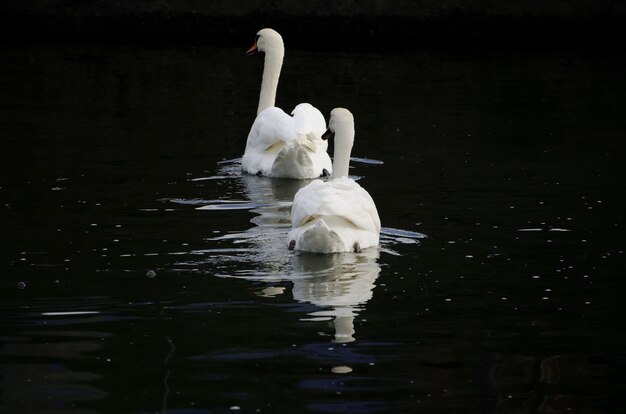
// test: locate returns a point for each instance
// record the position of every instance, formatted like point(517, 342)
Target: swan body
point(280, 145)
point(286, 146)
point(337, 215)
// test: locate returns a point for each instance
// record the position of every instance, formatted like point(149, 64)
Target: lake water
point(143, 272)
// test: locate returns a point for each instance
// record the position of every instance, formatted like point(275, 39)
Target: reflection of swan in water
point(342, 283)
point(263, 244)
point(272, 198)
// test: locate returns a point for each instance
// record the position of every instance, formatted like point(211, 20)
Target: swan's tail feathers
point(276, 146)
point(294, 160)
point(330, 234)
point(319, 238)
point(314, 143)
point(309, 145)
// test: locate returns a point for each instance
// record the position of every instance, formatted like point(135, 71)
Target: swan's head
point(341, 121)
point(267, 41)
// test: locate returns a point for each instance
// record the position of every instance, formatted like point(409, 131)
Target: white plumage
point(280, 145)
point(337, 215)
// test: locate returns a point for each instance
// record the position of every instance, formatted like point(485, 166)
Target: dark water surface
point(143, 273)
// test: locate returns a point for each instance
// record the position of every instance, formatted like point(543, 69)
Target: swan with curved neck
point(271, 43)
point(337, 215)
point(280, 145)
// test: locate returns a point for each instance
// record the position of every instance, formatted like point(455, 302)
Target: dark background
point(351, 24)
point(118, 119)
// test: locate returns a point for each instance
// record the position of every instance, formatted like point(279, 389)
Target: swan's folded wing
point(341, 197)
point(309, 121)
point(355, 204)
point(270, 126)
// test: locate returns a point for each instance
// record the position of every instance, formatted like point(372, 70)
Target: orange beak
point(252, 50)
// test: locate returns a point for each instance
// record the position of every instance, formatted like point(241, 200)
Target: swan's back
point(270, 126)
point(334, 216)
point(341, 197)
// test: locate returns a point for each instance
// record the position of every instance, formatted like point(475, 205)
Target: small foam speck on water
point(342, 369)
point(21, 285)
point(151, 274)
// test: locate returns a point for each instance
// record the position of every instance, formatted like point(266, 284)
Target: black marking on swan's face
point(325, 173)
point(329, 134)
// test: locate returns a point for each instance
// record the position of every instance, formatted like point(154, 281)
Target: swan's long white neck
point(344, 138)
point(271, 73)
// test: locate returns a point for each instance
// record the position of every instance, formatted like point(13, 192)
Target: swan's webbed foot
point(356, 247)
point(292, 245)
point(259, 173)
point(325, 173)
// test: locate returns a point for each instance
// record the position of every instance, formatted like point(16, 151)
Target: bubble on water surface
point(151, 274)
point(21, 285)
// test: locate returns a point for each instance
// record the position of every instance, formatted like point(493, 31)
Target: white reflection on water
point(340, 283)
point(69, 313)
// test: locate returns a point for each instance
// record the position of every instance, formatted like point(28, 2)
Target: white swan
point(280, 145)
point(337, 215)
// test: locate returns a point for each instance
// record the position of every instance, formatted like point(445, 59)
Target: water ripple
point(369, 161)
